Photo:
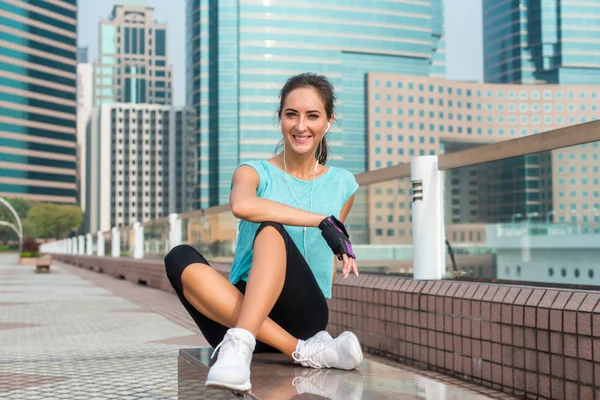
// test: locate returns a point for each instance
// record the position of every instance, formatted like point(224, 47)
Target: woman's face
point(303, 121)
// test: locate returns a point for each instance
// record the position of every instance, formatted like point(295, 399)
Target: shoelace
point(312, 349)
point(239, 346)
point(303, 381)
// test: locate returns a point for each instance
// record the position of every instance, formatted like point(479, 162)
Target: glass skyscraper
point(541, 41)
point(38, 47)
point(240, 52)
point(132, 67)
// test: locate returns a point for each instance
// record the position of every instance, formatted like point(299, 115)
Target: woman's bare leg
point(215, 297)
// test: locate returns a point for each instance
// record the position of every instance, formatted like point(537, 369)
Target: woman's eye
point(290, 114)
point(313, 116)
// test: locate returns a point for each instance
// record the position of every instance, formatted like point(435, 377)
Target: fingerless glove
point(334, 233)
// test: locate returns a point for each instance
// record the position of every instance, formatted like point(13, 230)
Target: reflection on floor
point(276, 378)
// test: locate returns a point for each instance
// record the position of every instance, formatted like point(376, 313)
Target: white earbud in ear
point(327, 129)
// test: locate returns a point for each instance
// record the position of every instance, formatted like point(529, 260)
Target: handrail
point(551, 140)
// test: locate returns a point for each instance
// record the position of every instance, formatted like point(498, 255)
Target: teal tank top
point(330, 193)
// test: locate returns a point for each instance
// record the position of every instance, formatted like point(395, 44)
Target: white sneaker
point(319, 336)
point(323, 335)
point(329, 383)
point(234, 354)
point(343, 352)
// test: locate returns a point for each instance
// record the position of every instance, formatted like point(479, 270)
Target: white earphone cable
point(312, 186)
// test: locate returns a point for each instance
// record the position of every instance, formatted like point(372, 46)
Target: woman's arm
point(247, 206)
point(343, 215)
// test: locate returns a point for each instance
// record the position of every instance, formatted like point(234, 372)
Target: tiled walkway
point(76, 334)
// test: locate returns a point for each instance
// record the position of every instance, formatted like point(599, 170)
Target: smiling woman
point(282, 272)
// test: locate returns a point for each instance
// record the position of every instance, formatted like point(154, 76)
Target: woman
point(282, 272)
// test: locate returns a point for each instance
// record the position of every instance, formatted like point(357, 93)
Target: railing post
point(175, 233)
point(74, 245)
point(138, 240)
point(89, 246)
point(428, 222)
point(100, 244)
point(69, 245)
point(115, 242)
point(81, 245)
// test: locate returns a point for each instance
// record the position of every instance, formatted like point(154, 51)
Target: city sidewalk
point(73, 334)
point(77, 334)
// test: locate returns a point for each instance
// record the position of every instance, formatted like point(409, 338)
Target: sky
point(463, 31)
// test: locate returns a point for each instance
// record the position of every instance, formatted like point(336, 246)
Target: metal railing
point(214, 229)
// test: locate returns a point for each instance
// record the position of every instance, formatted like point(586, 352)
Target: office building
point(549, 41)
point(38, 46)
point(414, 116)
point(133, 59)
point(82, 55)
point(85, 95)
point(241, 53)
point(141, 163)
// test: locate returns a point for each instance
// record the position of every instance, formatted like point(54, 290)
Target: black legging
point(301, 308)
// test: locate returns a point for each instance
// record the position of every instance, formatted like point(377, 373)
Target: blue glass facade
point(38, 109)
point(541, 41)
point(241, 52)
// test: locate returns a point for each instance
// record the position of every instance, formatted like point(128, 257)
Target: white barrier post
point(89, 246)
point(81, 246)
point(428, 223)
point(138, 240)
point(100, 244)
point(115, 241)
point(175, 234)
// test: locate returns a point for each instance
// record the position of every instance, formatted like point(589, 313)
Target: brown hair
point(325, 90)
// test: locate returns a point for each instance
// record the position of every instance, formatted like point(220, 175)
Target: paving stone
point(75, 334)
point(64, 337)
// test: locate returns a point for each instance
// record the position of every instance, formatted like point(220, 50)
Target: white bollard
point(428, 222)
point(115, 242)
point(138, 240)
point(74, 242)
point(81, 245)
point(89, 245)
point(100, 244)
point(68, 245)
point(175, 234)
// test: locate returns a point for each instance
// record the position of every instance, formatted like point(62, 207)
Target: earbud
point(327, 129)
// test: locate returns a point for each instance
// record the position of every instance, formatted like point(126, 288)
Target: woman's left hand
point(349, 265)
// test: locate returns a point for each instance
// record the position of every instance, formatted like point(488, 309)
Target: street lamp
point(595, 212)
point(533, 214)
point(14, 213)
point(548, 216)
point(512, 218)
point(577, 219)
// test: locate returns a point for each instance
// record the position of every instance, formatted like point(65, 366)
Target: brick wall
point(528, 342)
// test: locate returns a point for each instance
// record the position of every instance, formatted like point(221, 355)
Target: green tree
point(54, 220)
point(20, 205)
point(29, 229)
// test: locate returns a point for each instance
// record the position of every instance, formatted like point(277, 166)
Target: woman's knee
point(180, 257)
point(273, 227)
